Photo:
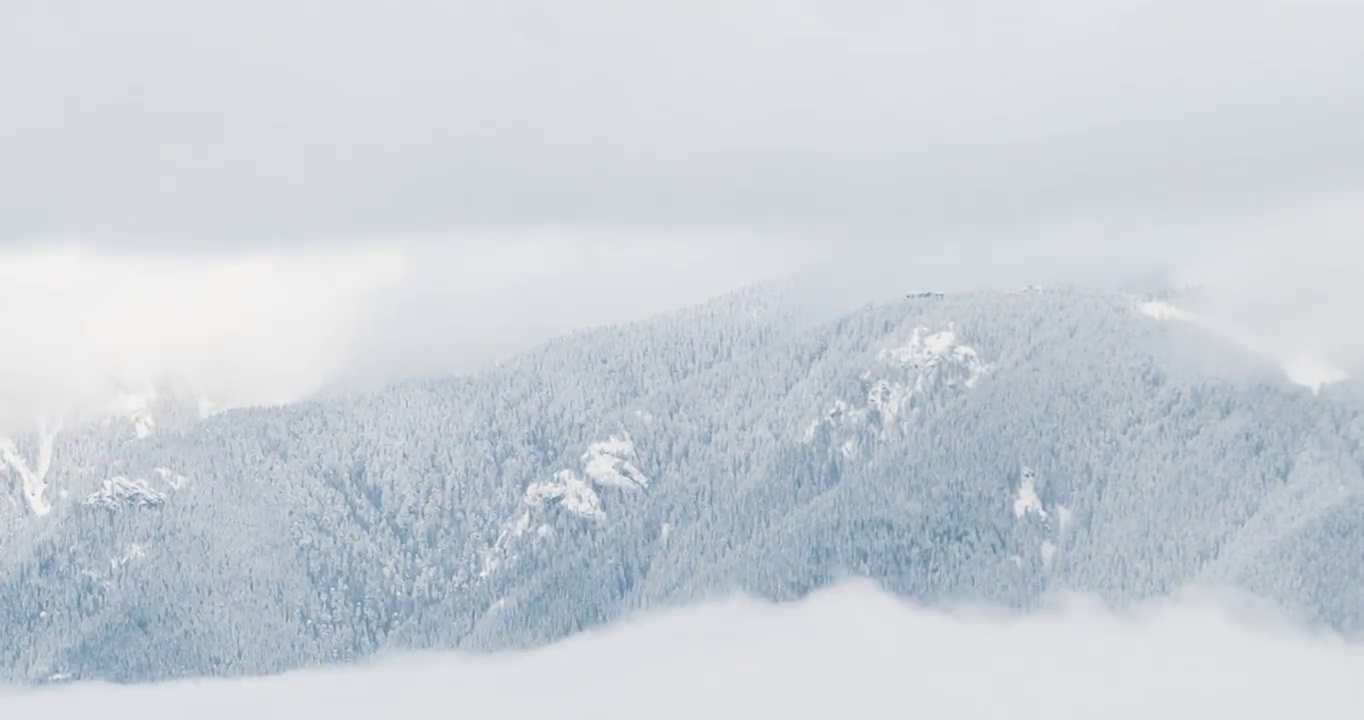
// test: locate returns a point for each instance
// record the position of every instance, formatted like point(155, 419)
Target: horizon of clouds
point(271, 325)
point(851, 649)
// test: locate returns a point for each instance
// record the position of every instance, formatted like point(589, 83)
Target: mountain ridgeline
point(991, 447)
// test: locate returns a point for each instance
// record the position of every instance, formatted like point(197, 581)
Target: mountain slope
point(992, 446)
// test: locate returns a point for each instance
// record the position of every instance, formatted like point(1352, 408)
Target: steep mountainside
point(992, 446)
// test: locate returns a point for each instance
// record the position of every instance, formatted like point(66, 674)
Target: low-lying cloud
point(472, 298)
point(847, 652)
point(271, 326)
point(257, 328)
point(573, 164)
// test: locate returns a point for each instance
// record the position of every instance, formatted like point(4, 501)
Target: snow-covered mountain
point(987, 447)
point(81, 435)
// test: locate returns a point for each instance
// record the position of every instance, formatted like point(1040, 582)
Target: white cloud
point(847, 652)
point(939, 145)
point(268, 117)
point(270, 326)
point(471, 298)
point(262, 327)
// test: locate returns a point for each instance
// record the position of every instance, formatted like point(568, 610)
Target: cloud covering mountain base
point(843, 652)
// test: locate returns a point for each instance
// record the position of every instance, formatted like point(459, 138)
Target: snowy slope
point(988, 447)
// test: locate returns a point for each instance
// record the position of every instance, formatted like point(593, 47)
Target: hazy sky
point(290, 120)
point(847, 652)
point(439, 182)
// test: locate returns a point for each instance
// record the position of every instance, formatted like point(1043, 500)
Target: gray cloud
point(274, 121)
point(847, 652)
point(543, 166)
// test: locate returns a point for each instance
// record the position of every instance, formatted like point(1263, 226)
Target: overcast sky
point(290, 120)
point(544, 165)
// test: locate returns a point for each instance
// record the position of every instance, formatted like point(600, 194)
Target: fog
point(849, 651)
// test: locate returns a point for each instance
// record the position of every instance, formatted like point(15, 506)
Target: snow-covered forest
point(993, 446)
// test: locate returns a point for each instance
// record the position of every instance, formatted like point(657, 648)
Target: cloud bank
point(266, 326)
point(269, 325)
point(259, 328)
point(847, 652)
point(542, 166)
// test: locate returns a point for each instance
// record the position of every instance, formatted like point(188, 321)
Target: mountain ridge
point(984, 447)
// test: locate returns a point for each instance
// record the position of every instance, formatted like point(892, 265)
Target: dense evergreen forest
point(991, 447)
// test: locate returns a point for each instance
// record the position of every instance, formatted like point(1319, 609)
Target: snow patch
point(32, 480)
point(926, 349)
point(930, 365)
point(120, 492)
point(175, 480)
point(889, 399)
point(573, 492)
point(609, 463)
point(1026, 500)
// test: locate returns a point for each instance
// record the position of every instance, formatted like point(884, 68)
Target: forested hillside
point(989, 446)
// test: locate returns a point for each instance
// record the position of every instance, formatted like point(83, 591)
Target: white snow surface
point(120, 492)
point(926, 350)
point(609, 463)
point(572, 490)
point(929, 363)
point(33, 482)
